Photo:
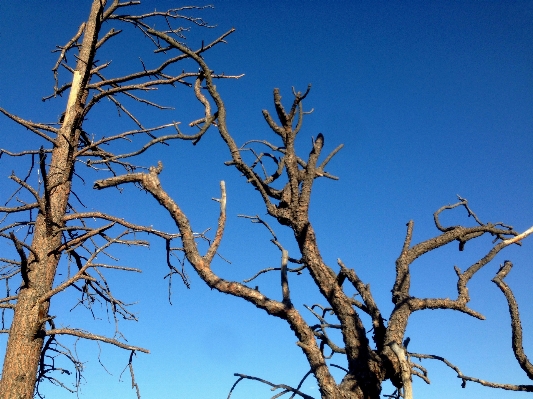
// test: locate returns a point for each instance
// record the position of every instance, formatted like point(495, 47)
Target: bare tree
point(285, 186)
point(40, 218)
point(44, 227)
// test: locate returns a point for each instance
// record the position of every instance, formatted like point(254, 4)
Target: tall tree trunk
point(27, 331)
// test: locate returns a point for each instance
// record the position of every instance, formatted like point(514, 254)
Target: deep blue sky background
point(431, 99)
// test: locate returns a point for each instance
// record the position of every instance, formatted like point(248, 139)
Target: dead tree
point(370, 360)
point(41, 220)
point(44, 227)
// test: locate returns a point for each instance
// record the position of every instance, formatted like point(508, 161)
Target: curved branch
point(465, 378)
point(306, 340)
point(234, 150)
point(286, 388)
point(156, 140)
point(94, 145)
point(518, 347)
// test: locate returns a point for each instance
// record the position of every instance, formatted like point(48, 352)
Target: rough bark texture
point(26, 334)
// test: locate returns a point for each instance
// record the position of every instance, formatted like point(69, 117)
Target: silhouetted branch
point(465, 378)
point(286, 388)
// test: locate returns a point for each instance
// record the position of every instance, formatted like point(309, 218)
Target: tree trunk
point(26, 334)
point(27, 331)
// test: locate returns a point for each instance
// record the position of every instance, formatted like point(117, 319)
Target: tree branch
point(465, 378)
point(94, 337)
point(516, 326)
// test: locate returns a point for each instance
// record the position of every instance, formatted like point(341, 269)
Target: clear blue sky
point(431, 99)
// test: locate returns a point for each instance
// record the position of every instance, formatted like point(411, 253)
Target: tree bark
point(26, 336)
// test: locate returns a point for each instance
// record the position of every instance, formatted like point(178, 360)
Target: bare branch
point(21, 208)
point(34, 127)
point(286, 388)
point(516, 326)
point(113, 158)
point(370, 305)
point(519, 237)
point(94, 337)
point(509, 387)
point(119, 221)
